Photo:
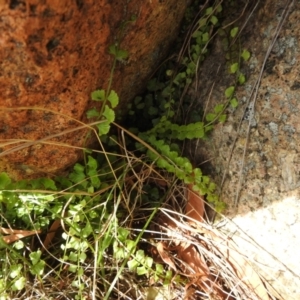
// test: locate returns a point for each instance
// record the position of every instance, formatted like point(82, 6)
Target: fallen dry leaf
point(194, 264)
point(165, 255)
point(244, 271)
point(195, 205)
point(191, 261)
point(51, 234)
point(16, 234)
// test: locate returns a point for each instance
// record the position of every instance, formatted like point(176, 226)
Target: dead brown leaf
point(194, 264)
point(51, 234)
point(16, 234)
point(165, 255)
point(195, 205)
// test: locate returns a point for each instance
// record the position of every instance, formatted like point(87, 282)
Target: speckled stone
point(53, 54)
point(272, 144)
point(269, 135)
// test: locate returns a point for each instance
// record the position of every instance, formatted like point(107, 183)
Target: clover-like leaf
point(109, 114)
point(92, 113)
point(4, 180)
point(98, 95)
point(113, 98)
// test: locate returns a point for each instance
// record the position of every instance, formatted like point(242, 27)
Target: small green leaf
point(202, 22)
point(187, 167)
point(92, 113)
point(205, 179)
point(38, 268)
point(197, 173)
point(109, 114)
point(159, 268)
point(78, 168)
point(210, 117)
point(103, 128)
point(121, 54)
point(148, 262)
point(113, 49)
point(92, 163)
point(234, 31)
point(219, 8)
point(169, 73)
point(119, 253)
point(214, 20)
point(132, 265)
point(15, 270)
point(133, 18)
point(212, 186)
point(82, 257)
point(80, 272)
point(35, 257)
point(113, 98)
point(234, 67)
point(219, 206)
point(122, 234)
point(245, 54)
point(219, 108)
point(222, 118)
point(78, 284)
point(4, 180)
point(19, 284)
point(19, 245)
point(140, 256)
point(242, 79)
point(205, 37)
point(141, 270)
point(98, 95)
point(76, 177)
point(130, 245)
point(49, 184)
point(73, 268)
point(234, 103)
point(73, 256)
point(229, 91)
point(208, 11)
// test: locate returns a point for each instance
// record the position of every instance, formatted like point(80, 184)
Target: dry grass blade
point(210, 261)
point(189, 260)
point(242, 268)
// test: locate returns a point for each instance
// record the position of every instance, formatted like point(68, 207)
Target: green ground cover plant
point(87, 235)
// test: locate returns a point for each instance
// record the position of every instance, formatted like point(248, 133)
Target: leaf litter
point(212, 264)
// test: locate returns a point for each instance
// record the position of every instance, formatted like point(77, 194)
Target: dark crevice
point(17, 4)
point(79, 4)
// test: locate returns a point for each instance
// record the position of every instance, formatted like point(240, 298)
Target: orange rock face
point(53, 54)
